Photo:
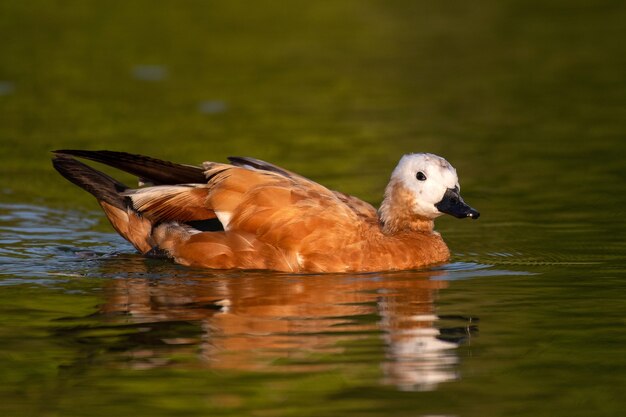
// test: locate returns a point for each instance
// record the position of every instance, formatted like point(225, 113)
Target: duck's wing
point(180, 203)
point(253, 199)
point(243, 199)
point(360, 207)
point(187, 193)
point(253, 163)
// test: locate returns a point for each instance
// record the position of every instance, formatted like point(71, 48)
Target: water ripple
point(37, 243)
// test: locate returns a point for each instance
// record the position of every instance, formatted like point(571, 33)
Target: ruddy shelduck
point(251, 214)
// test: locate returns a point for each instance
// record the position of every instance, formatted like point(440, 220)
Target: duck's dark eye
point(420, 176)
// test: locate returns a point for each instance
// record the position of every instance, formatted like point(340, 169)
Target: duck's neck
point(397, 214)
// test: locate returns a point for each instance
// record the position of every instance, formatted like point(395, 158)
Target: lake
point(526, 99)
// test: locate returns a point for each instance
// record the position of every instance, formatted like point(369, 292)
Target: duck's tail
point(109, 192)
point(147, 169)
point(99, 184)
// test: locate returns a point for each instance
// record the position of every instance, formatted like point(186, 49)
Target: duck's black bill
point(453, 204)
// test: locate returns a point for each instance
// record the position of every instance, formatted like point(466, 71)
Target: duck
point(249, 214)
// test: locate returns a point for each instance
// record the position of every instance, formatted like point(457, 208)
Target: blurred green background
point(331, 89)
point(527, 99)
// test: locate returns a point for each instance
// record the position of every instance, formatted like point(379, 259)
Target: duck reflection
point(277, 322)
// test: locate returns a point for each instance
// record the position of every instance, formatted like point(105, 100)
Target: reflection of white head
point(428, 177)
point(419, 361)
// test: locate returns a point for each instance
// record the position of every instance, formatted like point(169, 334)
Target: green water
point(527, 99)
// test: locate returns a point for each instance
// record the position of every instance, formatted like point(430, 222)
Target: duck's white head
point(423, 187)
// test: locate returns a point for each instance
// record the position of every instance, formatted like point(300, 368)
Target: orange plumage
point(255, 215)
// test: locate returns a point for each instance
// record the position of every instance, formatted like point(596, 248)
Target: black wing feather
point(146, 168)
